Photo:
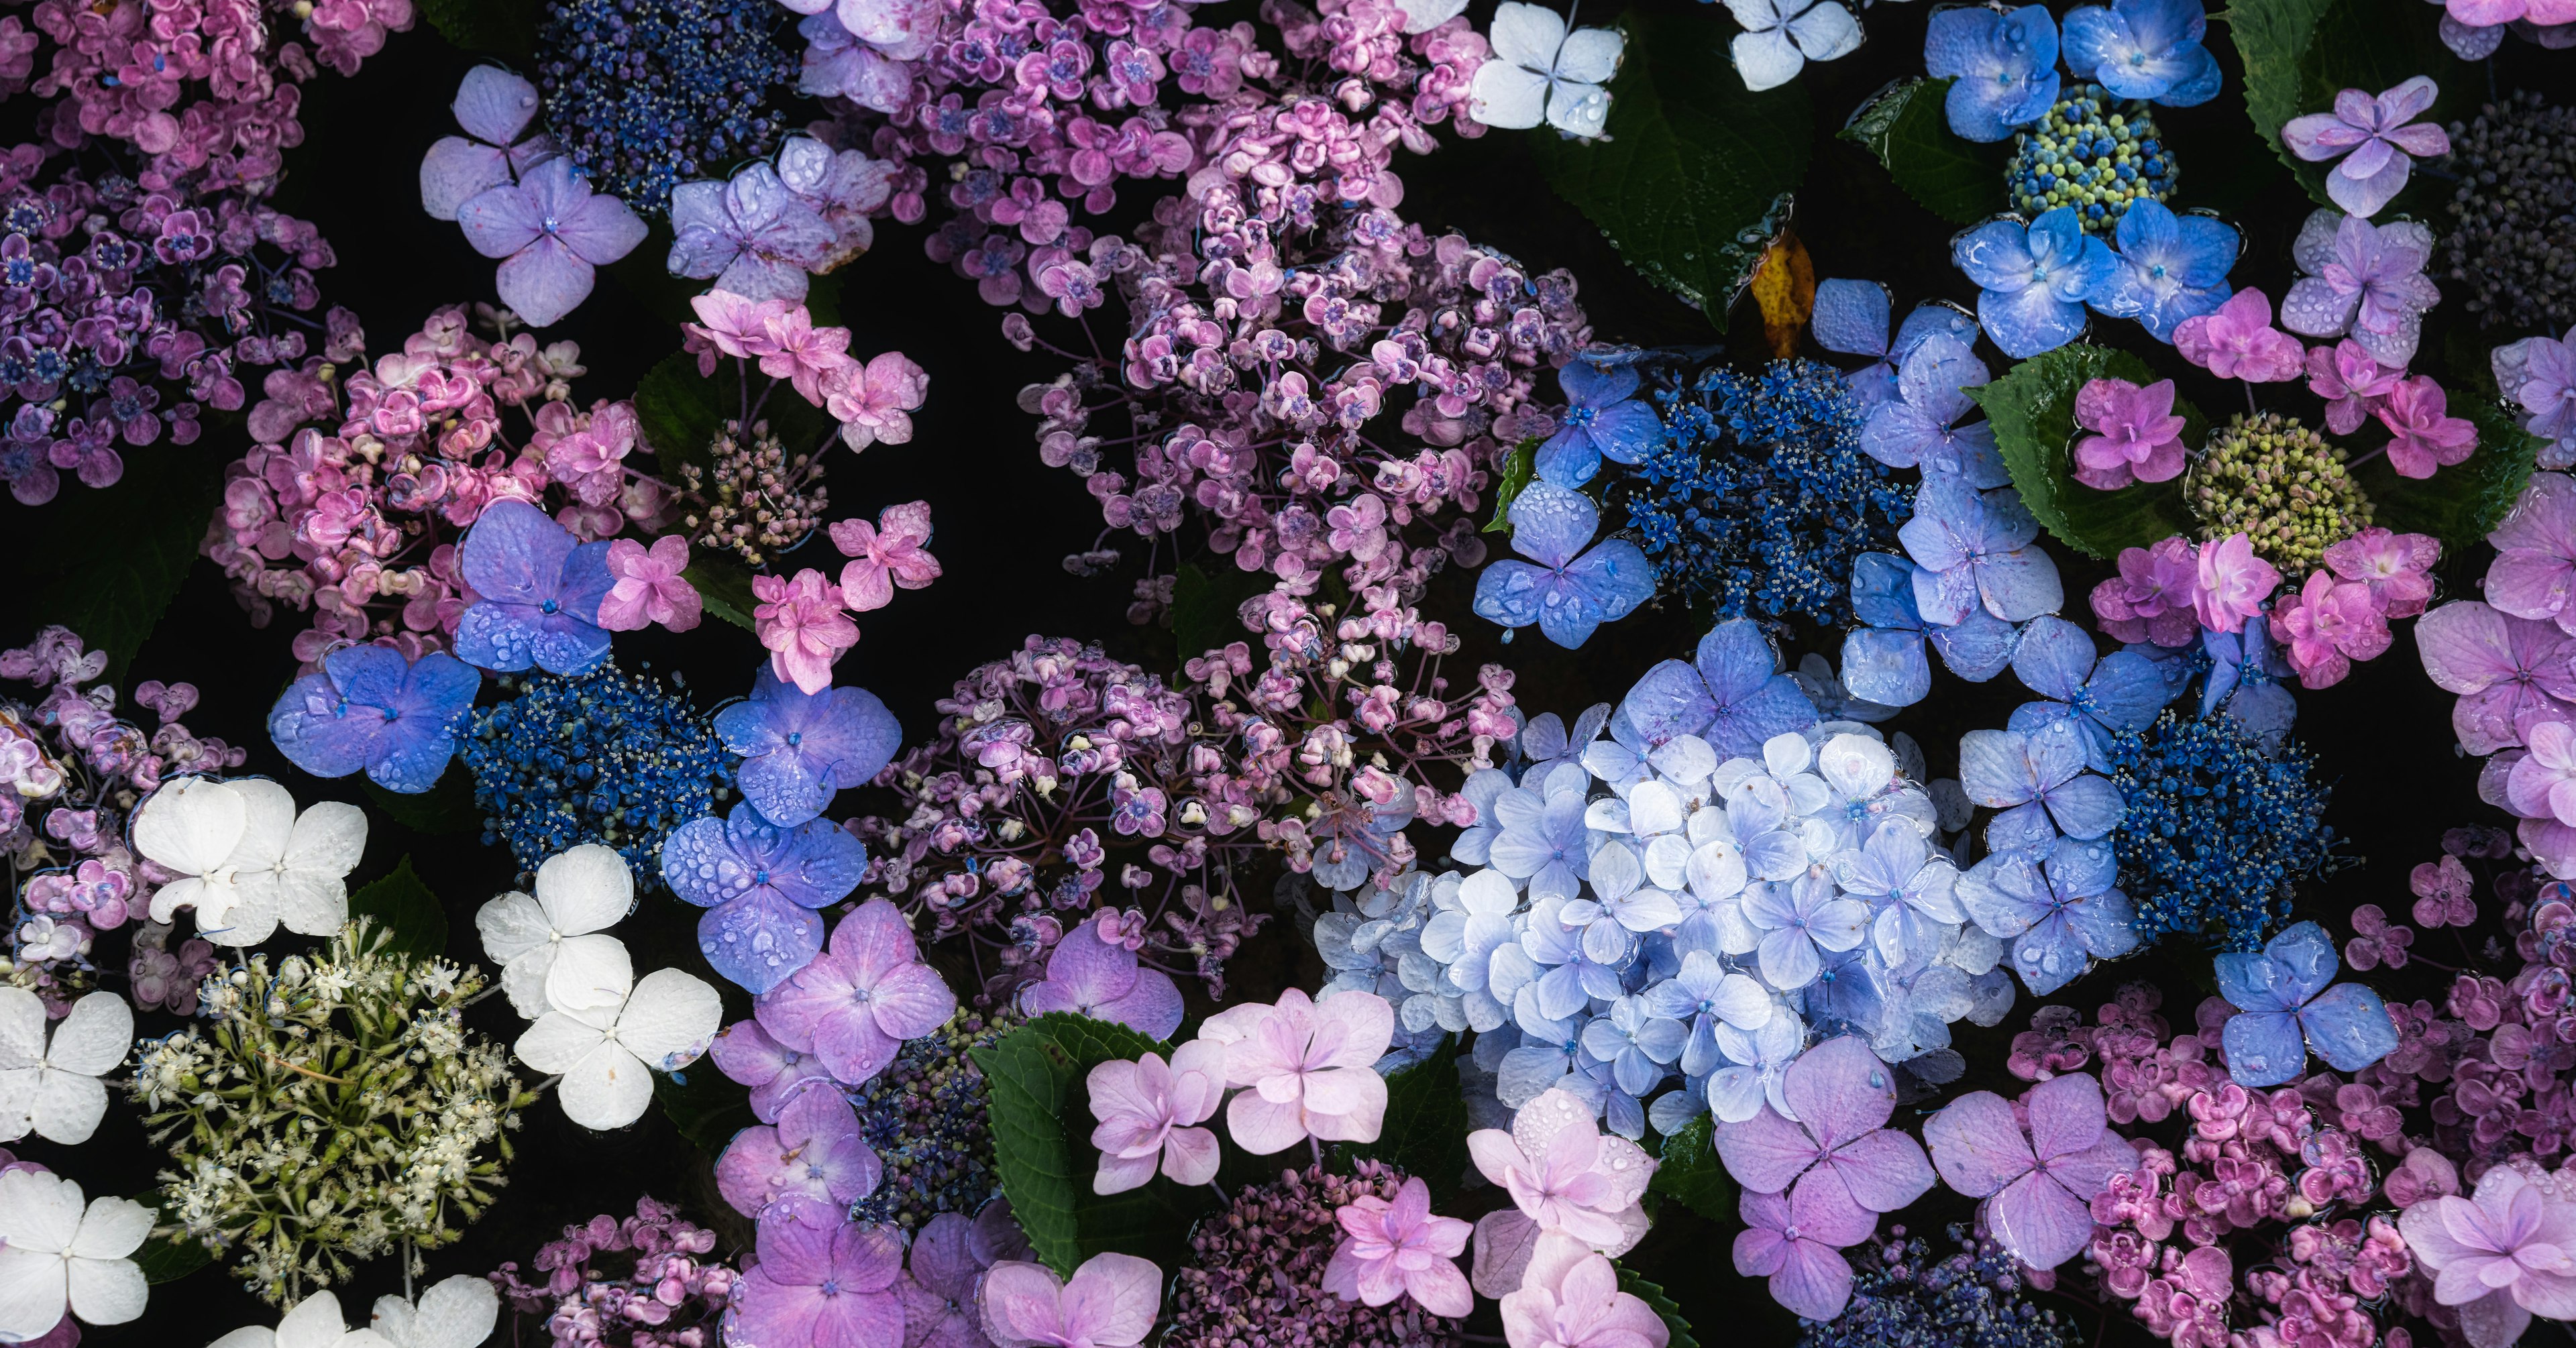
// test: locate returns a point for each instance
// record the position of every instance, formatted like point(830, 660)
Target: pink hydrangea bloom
point(885, 554)
point(2327, 625)
point(2137, 437)
point(2039, 1175)
point(1563, 1174)
point(802, 354)
point(2511, 673)
point(1396, 1249)
point(2425, 1174)
point(2352, 382)
point(874, 401)
point(1797, 1243)
point(2445, 894)
point(729, 325)
point(2234, 583)
point(1089, 975)
point(2374, 139)
point(2534, 573)
point(802, 624)
point(1311, 1066)
point(821, 1279)
point(1571, 1299)
point(775, 1073)
point(2395, 566)
point(856, 1003)
point(2543, 784)
point(2502, 1255)
point(2238, 341)
point(2425, 435)
point(2155, 596)
point(2376, 940)
point(814, 1150)
point(650, 587)
point(1840, 1154)
point(1146, 1110)
point(1110, 1302)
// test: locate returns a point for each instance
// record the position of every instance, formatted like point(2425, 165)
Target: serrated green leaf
point(1519, 467)
point(724, 588)
point(2462, 503)
point(499, 27)
point(707, 1106)
point(1654, 1297)
point(1024, 1094)
point(446, 807)
point(2271, 37)
point(2032, 409)
point(1425, 1130)
point(1695, 172)
point(1690, 1174)
point(107, 562)
point(167, 1258)
point(1958, 180)
point(403, 906)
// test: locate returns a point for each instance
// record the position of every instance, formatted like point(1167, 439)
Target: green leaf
point(402, 905)
point(446, 807)
point(724, 587)
point(1690, 1173)
point(1425, 1131)
point(499, 27)
point(1695, 171)
point(1653, 1295)
point(1958, 180)
point(2462, 503)
point(2271, 37)
point(167, 1258)
point(2033, 411)
point(707, 1106)
point(676, 408)
point(1519, 467)
point(106, 563)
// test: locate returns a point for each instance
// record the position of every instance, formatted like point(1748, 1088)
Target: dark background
point(1005, 521)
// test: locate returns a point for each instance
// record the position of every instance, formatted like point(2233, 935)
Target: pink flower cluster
point(873, 400)
point(804, 621)
point(2172, 591)
point(647, 1281)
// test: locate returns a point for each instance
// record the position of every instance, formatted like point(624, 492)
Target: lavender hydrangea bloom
point(822, 1279)
point(1733, 695)
point(2168, 268)
point(2035, 777)
point(1974, 548)
point(2059, 913)
point(1801, 921)
point(1637, 1043)
point(1851, 317)
point(761, 884)
point(1088, 976)
point(1919, 427)
point(1883, 662)
point(1566, 595)
point(540, 593)
point(753, 235)
point(1704, 996)
point(2539, 375)
point(494, 106)
point(2031, 279)
point(2362, 279)
point(2286, 1010)
point(368, 709)
point(552, 233)
point(1604, 419)
point(798, 749)
point(1543, 843)
point(2004, 66)
point(2147, 49)
point(2101, 699)
point(856, 1003)
point(1913, 891)
point(2373, 138)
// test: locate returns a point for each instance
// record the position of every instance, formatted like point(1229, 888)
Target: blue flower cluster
point(1904, 1298)
point(1759, 497)
point(602, 757)
point(2218, 830)
point(2093, 155)
point(646, 96)
point(927, 1118)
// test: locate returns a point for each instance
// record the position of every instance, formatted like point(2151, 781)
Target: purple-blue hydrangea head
point(2060, 912)
point(1732, 694)
point(2003, 67)
point(761, 884)
point(798, 749)
point(2147, 49)
point(2286, 1010)
point(2032, 280)
point(368, 709)
point(1973, 550)
point(2101, 698)
point(1918, 428)
point(1603, 419)
point(1851, 317)
point(540, 592)
point(2168, 268)
point(1566, 595)
point(2028, 774)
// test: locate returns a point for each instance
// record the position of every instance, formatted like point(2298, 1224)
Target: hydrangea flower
point(650, 586)
point(494, 106)
point(62, 1256)
point(1566, 595)
point(1757, 1061)
point(854, 1004)
point(2424, 436)
point(1570, 1298)
point(2059, 914)
point(2372, 139)
point(775, 1073)
point(1148, 1111)
point(1604, 419)
point(803, 625)
point(2003, 66)
point(50, 1087)
point(2154, 598)
point(1918, 428)
point(1564, 1176)
point(1852, 317)
point(369, 709)
point(2353, 383)
point(2032, 279)
point(1111, 1301)
point(1705, 995)
point(2364, 280)
point(2136, 435)
point(581, 892)
point(313, 1322)
point(821, 1279)
point(1884, 661)
point(799, 749)
point(2234, 583)
point(607, 1045)
point(1781, 36)
point(246, 860)
point(1311, 1068)
point(814, 1151)
point(540, 591)
point(2285, 1010)
point(1102, 979)
point(552, 233)
point(2539, 375)
point(1540, 71)
point(2534, 573)
point(1795, 1240)
point(2148, 49)
point(2245, 673)
point(1973, 549)
point(457, 1312)
point(2037, 1179)
point(1839, 1152)
point(761, 885)
point(1399, 1249)
point(1732, 694)
point(2511, 673)
point(1802, 920)
point(945, 1267)
point(752, 235)
point(889, 552)
point(2101, 698)
point(2327, 625)
point(2498, 1255)
point(2237, 341)
point(2168, 267)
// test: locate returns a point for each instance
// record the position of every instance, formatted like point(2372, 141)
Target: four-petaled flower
point(1148, 1111)
point(884, 555)
point(369, 709)
point(540, 592)
point(762, 886)
point(2147, 49)
point(2136, 435)
point(1399, 1249)
point(2373, 138)
point(2168, 267)
point(552, 234)
point(2031, 279)
point(1604, 419)
point(1539, 71)
point(2237, 341)
point(2424, 436)
point(1839, 1154)
point(861, 998)
point(1089, 976)
point(1781, 36)
point(800, 748)
point(2038, 1179)
point(802, 623)
point(650, 586)
point(1311, 1067)
point(2363, 279)
point(2501, 1255)
point(1567, 595)
point(2285, 1010)
point(607, 1040)
point(2003, 65)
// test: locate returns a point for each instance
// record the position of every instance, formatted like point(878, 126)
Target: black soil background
point(1005, 522)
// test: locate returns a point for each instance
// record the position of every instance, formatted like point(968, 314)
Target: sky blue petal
point(812, 865)
point(335, 740)
point(1934, 378)
point(1978, 646)
point(1929, 320)
point(1566, 615)
point(2087, 807)
point(784, 785)
point(2349, 1027)
point(1568, 459)
point(1996, 254)
point(1851, 316)
point(758, 940)
point(1971, 455)
point(2029, 321)
point(1897, 433)
point(2055, 658)
point(1670, 700)
point(1510, 593)
point(1882, 591)
point(2003, 893)
point(2264, 1048)
point(2305, 960)
point(1886, 665)
point(1627, 432)
point(2249, 981)
point(2160, 25)
point(2148, 229)
point(2080, 870)
point(2127, 691)
point(2090, 33)
point(699, 865)
point(1614, 578)
point(1551, 524)
point(2198, 83)
point(2205, 250)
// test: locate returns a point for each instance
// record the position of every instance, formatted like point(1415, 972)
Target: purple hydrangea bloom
point(1088, 976)
point(754, 236)
point(2539, 374)
point(2362, 279)
point(369, 709)
point(823, 1281)
point(1919, 427)
point(1974, 548)
point(856, 1003)
point(540, 593)
point(2059, 913)
point(2286, 1010)
point(1604, 419)
point(761, 884)
point(552, 233)
point(2101, 699)
point(798, 748)
point(1566, 595)
point(2168, 268)
point(2031, 279)
point(1851, 317)
point(2004, 66)
point(1883, 660)
point(494, 106)
point(2246, 670)
point(775, 1073)
point(2147, 49)
point(2373, 139)
point(2036, 776)
point(813, 1151)
point(946, 1266)
point(1733, 694)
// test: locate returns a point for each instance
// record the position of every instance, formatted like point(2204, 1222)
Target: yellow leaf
point(1784, 285)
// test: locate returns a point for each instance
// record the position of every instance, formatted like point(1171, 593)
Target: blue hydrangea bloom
point(798, 750)
point(368, 709)
point(2168, 268)
point(2101, 699)
point(1565, 594)
point(1605, 419)
point(1851, 317)
point(2028, 773)
point(2285, 1010)
point(2060, 913)
point(761, 884)
point(2246, 670)
point(1974, 548)
point(1846, 993)
point(541, 591)
point(2004, 67)
point(1883, 662)
point(2147, 49)
point(1919, 427)
point(2031, 279)
point(1733, 694)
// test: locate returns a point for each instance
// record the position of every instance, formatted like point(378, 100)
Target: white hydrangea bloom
point(247, 860)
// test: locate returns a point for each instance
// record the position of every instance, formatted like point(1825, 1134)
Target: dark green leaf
point(1653, 1295)
point(1207, 605)
point(1958, 180)
point(724, 587)
point(2033, 411)
point(1518, 467)
point(676, 408)
point(446, 807)
point(1695, 173)
point(403, 906)
point(106, 563)
point(2271, 37)
point(707, 1106)
point(499, 27)
point(2460, 504)
point(168, 1258)
point(1425, 1132)
point(1690, 1173)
